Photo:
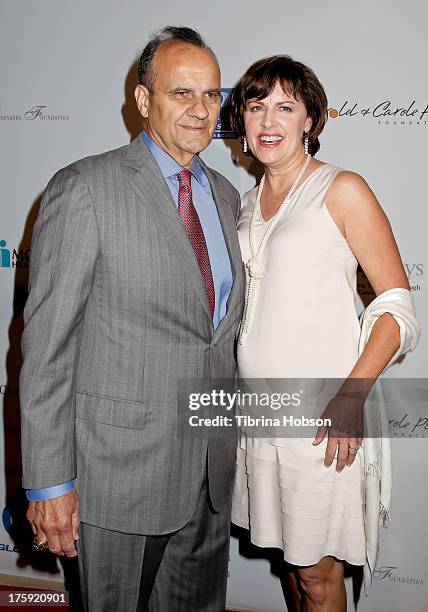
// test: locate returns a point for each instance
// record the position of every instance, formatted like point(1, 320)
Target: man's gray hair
point(146, 75)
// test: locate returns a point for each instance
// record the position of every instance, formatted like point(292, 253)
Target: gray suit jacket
point(116, 320)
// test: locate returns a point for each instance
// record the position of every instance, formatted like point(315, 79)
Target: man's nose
point(198, 109)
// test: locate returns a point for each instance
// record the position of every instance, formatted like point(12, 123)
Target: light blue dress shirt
point(206, 208)
point(217, 251)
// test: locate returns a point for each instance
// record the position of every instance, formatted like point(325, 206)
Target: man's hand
point(56, 521)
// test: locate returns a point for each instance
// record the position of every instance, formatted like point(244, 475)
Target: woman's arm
point(359, 216)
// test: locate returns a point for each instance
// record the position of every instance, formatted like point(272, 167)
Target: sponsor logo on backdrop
point(8, 525)
point(415, 275)
point(39, 112)
point(13, 258)
point(7, 520)
point(223, 129)
point(409, 426)
point(389, 573)
point(406, 407)
point(383, 112)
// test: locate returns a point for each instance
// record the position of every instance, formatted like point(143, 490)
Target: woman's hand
point(345, 434)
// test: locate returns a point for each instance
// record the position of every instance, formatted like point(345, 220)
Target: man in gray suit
point(136, 285)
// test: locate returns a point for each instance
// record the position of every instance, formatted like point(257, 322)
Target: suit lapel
point(150, 186)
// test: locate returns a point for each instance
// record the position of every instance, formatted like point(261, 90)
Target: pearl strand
point(254, 264)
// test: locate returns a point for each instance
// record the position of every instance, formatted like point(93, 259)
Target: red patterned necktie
point(193, 227)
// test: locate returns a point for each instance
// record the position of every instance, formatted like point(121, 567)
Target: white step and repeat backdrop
point(67, 73)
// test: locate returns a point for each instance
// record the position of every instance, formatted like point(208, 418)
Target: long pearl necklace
point(254, 264)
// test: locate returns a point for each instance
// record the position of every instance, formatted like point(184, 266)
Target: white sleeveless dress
point(305, 324)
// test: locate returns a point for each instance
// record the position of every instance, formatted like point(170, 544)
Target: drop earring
point(306, 144)
point(244, 145)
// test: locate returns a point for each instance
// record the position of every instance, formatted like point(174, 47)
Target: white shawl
point(377, 451)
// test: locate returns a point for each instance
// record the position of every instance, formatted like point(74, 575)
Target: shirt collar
point(167, 164)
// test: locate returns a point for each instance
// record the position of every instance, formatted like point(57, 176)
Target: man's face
point(181, 114)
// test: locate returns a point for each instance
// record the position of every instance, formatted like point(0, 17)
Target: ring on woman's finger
point(40, 546)
point(354, 449)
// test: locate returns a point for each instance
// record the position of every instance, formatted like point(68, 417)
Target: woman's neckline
point(302, 184)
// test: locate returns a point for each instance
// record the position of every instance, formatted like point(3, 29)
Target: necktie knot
point(185, 178)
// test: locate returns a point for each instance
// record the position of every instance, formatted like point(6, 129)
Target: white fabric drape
point(377, 450)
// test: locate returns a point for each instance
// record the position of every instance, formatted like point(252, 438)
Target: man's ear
point(142, 96)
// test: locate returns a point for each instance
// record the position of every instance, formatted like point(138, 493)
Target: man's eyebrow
point(179, 89)
point(215, 90)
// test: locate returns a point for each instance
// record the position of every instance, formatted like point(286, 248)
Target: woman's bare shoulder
point(350, 192)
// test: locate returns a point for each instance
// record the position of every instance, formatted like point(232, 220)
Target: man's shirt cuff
point(50, 492)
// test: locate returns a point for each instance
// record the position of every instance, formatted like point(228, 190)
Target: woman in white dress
point(302, 232)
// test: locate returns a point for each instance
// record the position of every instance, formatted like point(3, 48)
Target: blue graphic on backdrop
point(224, 129)
point(5, 255)
point(13, 258)
point(8, 526)
point(7, 520)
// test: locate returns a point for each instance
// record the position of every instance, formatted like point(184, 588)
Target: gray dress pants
point(185, 571)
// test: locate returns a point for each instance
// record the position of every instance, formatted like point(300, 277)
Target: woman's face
point(274, 128)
